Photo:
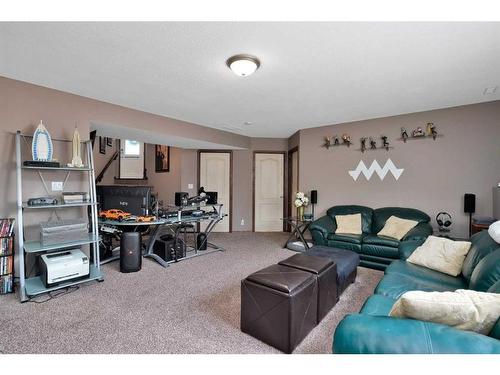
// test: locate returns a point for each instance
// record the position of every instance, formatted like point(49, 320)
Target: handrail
point(108, 164)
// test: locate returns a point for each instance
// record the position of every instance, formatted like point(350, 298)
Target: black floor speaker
point(130, 252)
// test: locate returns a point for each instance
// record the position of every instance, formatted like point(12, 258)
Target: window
point(131, 149)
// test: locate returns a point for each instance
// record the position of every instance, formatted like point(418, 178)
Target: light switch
point(57, 185)
point(190, 186)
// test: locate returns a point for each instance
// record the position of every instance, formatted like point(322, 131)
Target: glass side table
point(296, 240)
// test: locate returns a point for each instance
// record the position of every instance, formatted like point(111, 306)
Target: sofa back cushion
point(495, 332)
point(482, 245)
point(366, 214)
point(380, 216)
point(487, 272)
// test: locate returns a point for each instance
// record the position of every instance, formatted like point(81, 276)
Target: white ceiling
point(311, 74)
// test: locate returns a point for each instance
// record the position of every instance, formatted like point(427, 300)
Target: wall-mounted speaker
point(130, 252)
point(469, 203)
point(314, 196)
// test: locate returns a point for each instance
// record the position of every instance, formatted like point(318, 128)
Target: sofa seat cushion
point(380, 240)
point(393, 285)
point(351, 238)
point(380, 251)
point(425, 274)
point(378, 305)
point(356, 247)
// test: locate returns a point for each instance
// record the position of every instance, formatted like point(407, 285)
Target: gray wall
point(437, 173)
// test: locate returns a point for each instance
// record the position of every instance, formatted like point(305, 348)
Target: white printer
point(68, 265)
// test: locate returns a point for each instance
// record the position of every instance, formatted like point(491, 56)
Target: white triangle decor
point(375, 168)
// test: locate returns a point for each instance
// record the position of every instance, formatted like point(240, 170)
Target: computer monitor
point(133, 199)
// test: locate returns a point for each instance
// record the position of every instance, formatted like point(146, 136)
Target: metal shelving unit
point(33, 286)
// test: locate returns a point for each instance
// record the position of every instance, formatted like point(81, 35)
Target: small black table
point(299, 227)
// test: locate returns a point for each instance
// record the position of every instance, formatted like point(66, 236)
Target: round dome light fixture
point(243, 65)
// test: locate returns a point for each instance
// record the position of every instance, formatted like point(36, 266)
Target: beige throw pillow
point(463, 309)
point(348, 224)
point(395, 227)
point(441, 254)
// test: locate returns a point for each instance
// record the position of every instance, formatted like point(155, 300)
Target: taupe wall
point(437, 173)
point(164, 183)
point(242, 177)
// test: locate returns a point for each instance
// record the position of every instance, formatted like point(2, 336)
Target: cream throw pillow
point(441, 254)
point(395, 227)
point(348, 224)
point(463, 309)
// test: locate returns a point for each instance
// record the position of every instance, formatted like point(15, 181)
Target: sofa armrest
point(320, 228)
point(406, 248)
point(367, 334)
point(421, 231)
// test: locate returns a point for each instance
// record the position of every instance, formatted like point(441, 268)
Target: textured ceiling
point(312, 74)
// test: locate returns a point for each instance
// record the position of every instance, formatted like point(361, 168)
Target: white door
point(215, 174)
point(269, 192)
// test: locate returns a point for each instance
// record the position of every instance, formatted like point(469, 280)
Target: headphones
point(443, 219)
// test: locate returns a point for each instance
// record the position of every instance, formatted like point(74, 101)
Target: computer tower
point(130, 252)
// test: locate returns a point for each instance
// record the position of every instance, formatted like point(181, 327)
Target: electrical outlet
point(57, 185)
point(190, 186)
point(242, 222)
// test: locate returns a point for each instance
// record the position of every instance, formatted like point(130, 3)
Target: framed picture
point(162, 158)
point(109, 142)
point(102, 145)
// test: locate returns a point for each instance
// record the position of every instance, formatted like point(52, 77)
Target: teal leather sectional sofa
point(373, 331)
point(375, 251)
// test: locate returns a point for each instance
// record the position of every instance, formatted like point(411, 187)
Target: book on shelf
point(7, 227)
point(6, 284)
point(6, 244)
point(6, 265)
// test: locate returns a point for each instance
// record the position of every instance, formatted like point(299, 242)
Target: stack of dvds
point(6, 256)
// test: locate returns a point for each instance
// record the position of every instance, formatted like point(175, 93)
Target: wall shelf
point(411, 138)
point(66, 169)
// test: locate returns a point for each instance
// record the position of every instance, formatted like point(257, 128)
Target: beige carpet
point(190, 307)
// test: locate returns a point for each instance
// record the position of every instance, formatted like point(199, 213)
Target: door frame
point(285, 188)
point(290, 188)
point(230, 152)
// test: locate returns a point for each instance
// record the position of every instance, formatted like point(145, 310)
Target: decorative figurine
point(42, 148)
point(76, 161)
point(346, 139)
point(336, 141)
point(404, 134)
point(418, 132)
point(385, 142)
point(363, 144)
point(328, 142)
point(373, 144)
point(431, 130)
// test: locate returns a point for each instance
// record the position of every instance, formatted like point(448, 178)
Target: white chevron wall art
point(375, 167)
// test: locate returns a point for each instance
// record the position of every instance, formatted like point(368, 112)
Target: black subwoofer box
point(130, 252)
point(168, 249)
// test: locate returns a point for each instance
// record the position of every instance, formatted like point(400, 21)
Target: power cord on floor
point(56, 294)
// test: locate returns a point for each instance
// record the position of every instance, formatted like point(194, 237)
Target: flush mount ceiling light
point(243, 65)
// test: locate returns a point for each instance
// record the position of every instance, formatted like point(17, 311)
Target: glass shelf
point(64, 205)
point(56, 168)
point(36, 246)
point(35, 285)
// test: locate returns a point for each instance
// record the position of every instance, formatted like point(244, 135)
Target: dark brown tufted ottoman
point(325, 271)
point(279, 306)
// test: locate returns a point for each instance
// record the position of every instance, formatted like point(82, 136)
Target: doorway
point(215, 174)
point(268, 191)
